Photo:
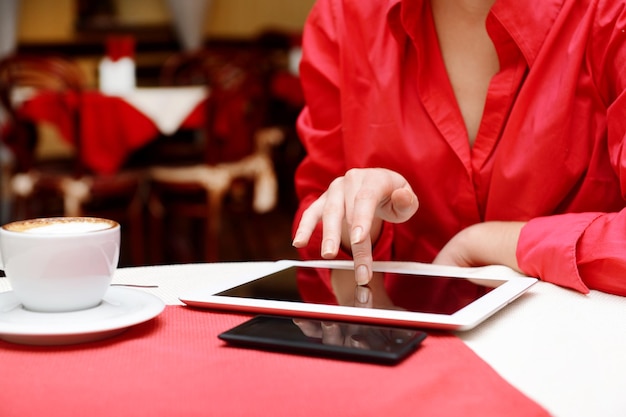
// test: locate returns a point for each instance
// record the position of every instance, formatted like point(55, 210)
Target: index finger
point(363, 210)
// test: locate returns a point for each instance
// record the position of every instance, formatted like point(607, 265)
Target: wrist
point(494, 243)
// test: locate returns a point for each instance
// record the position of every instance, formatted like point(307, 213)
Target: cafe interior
point(174, 118)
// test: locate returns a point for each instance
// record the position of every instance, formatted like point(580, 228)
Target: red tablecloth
point(111, 128)
point(174, 365)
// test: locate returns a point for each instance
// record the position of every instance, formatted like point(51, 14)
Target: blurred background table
point(115, 126)
point(111, 151)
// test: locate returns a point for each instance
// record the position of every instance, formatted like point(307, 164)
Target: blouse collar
point(527, 24)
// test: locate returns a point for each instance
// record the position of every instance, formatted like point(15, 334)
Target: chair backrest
point(236, 105)
point(22, 76)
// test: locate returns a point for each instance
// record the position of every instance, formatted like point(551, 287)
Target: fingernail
point(328, 248)
point(356, 235)
point(362, 294)
point(362, 275)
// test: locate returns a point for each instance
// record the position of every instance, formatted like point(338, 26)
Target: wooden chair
point(232, 169)
point(41, 186)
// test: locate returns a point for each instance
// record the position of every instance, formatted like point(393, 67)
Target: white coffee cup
point(61, 263)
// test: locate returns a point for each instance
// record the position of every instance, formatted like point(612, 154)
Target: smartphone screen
point(341, 340)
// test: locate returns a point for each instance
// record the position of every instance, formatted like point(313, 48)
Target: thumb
point(404, 204)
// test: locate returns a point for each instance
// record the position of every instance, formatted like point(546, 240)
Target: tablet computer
point(404, 294)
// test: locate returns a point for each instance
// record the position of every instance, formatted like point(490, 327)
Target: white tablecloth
point(565, 350)
point(167, 107)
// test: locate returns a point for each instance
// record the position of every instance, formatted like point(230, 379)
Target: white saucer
point(120, 308)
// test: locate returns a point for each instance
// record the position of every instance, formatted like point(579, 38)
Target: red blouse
point(549, 148)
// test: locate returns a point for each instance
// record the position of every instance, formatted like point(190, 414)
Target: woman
point(504, 121)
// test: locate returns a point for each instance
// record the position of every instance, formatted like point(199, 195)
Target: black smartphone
point(341, 340)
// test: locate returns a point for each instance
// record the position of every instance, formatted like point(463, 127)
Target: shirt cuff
point(547, 248)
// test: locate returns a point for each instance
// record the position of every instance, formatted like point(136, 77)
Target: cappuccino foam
point(60, 226)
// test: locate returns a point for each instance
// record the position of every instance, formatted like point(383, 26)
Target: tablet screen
point(391, 291)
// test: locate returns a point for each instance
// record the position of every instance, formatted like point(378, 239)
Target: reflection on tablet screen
point(417, 293)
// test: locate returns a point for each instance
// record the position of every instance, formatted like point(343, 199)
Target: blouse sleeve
point(588, 250)
point(320, 123)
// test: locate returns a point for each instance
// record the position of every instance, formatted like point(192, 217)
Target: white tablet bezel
point(464, 319)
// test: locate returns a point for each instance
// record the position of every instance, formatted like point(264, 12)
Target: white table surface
point(565, 350)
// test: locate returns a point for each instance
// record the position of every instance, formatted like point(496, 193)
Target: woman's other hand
point(488, 243)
